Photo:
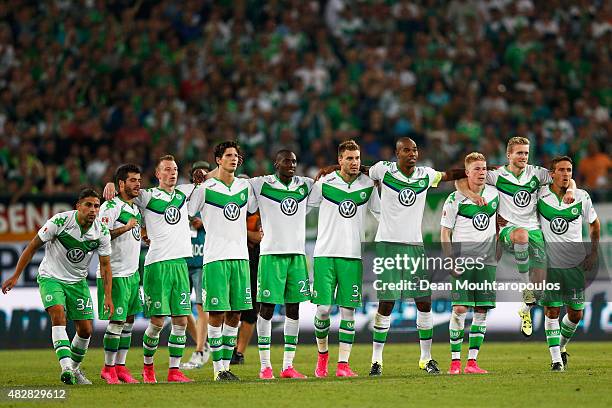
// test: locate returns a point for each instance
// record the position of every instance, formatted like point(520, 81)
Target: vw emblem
point(172, 215)
point(407, 197)
point(289, 206)
point(347, 208)
point(119, 310)
point(480, 221)
point(157, 305)
point(522, 198)
point(136, 232)
point(266, 293)
point(231, 211)
point(49, 298)
point(214, 301)
point(559, 225)
point(75, 255)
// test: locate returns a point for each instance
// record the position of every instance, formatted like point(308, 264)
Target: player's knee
point(323, 311)
point(292, 311)
point(385, 307)
point(460, 310)
point(232, 318)
point(480, 310)
point(347, 313)
point(84, 330)
point(552, 312)
point(57, 315)
point(574, 315)
point(266, 310)
point(423, 306)
point(179, 321)
point(519, 236)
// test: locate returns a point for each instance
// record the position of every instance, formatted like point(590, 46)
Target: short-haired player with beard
point(568, 259)
point(121, 216)
point(343, 197)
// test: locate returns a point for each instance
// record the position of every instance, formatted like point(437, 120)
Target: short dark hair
point(167, 157)
point(553, 163)
point(123, 171)
point(283, 152)
point(88, 192)
point(347, 145)
point(223, 146)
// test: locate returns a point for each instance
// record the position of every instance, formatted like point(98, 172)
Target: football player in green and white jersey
point(121, 216)
point(70, 238)
point(568, 258)
point(472, 231)
point(225, 201)
point(282, 275)
point(343, 197)
point(404, 187)
point(166, 210)
point(518, 183)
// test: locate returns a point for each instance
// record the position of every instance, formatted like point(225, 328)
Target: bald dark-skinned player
point(282, 275)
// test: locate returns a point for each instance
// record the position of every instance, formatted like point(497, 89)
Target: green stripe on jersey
point(470, 210)
point(70, 242)
point(125, 217)
point(336, 195)
point(418, 186)
point(508, 187)
point(221, 200)
point(569, 214)
point(277, 194)
point(159, 206)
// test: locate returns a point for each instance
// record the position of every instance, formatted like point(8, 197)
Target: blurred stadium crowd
point(87, 85)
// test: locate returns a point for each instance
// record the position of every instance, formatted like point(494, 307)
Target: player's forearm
point(445, 240)
point(462, 186)
point(594, 229)
point(107, 276)
point(453, 174)
point(119, 231)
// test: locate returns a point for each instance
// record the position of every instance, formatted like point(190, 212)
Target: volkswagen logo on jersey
point(289, 206)
point(231, 211)
point(347, 208)
point(75, 255)
point(406, 197)
point(136, 232)
point(559, 225)
point(522, 198)
point(172, 215)
point(480, 221)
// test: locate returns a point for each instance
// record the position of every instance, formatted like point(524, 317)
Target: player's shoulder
point(299, 180)
point(330, 178)
point(64, 217)
point(185, 188)
point(110, 205)
point(491, 190)
point(385, 165)
point(581, 195)
point(544, 192)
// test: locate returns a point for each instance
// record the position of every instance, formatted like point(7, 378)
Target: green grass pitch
point(518, 376)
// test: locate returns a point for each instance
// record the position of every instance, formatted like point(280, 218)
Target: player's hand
point(131, 223)
point(326, 170)
point(108, 306)
point(568, 197)
point(199, 176)
point(478, 199)
point(196, 223)
point(145, 237)
point(109, 191)
point(8, 284)
point(589, 261)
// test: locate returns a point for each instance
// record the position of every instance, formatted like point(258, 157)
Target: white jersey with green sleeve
point(167, 221)
point(342, 212)
point(224, 212)
point(114, 214)
point(473, 226)
point(69, 249)
point(402, 201)
point(283, 211)
point(562, 226)
point(518, 195)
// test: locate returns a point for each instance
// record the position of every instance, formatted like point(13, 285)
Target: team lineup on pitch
point(201, 236)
